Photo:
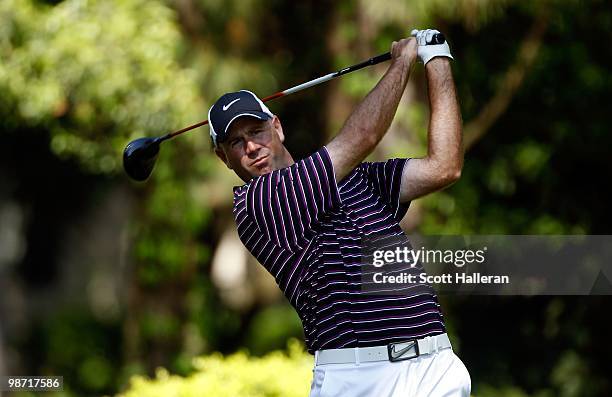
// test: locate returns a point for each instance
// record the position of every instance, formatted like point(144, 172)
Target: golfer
point(306, 222)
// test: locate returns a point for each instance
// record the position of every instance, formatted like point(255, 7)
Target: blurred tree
point(94, 75)
point(87, 77)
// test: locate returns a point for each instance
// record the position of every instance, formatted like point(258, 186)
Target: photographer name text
point(456, 278)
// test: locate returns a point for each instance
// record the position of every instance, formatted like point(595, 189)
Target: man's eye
point(235, 142)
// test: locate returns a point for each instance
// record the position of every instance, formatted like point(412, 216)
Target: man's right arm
point(372, 117)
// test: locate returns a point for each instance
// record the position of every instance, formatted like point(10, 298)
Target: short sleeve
point(287, 204)
point(386, 177)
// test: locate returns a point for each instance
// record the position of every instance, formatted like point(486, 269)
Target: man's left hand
point(426, 50)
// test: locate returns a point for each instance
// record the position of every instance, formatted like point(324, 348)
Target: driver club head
point(139, 157)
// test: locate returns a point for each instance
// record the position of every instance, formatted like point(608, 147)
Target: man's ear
point(278, 128)
point(221, 154)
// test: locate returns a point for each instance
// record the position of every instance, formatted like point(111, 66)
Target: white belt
point(397, 351)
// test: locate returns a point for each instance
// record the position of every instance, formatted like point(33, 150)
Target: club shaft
point(329, 76)
point(437, 39)
point(372, 61)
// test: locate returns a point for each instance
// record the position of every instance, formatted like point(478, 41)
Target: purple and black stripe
point(308, 231)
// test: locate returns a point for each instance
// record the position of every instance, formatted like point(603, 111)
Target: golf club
point(140, 155)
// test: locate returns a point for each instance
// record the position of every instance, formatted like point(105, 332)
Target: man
point(307, 223)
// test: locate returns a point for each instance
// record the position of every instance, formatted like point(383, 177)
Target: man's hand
point(426, 50)
point(404, 51)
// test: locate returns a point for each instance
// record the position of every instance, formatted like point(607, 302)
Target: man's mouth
point(259, 162)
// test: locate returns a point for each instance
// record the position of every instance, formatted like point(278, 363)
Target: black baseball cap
point(230, 107)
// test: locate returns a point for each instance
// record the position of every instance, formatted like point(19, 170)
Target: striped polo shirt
point(308, 231)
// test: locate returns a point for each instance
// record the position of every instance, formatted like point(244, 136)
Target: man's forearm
point(445, 148)
point(373, 115)
point(370, 119)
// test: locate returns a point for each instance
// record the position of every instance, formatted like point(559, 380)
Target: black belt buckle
point(396, 354)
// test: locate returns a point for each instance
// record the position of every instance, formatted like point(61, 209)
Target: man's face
point(254, 147)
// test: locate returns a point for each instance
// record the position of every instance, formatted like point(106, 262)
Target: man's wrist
point(402, 64)
point(438, 64)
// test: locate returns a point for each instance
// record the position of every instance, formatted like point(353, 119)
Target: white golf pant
point(440, 374)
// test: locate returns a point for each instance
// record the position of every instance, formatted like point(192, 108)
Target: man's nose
point(250, 146)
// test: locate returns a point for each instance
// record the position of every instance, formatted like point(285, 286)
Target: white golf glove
point(426, 50)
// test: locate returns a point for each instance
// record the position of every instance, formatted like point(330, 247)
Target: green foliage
point(95, 74)
point(270, 328)
point(79, 347)
point(276, 374)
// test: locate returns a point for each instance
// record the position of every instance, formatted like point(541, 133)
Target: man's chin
point(263, 170)
point(255, 172)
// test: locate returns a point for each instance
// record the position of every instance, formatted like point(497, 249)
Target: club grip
point(380, 58)
point(438, 38)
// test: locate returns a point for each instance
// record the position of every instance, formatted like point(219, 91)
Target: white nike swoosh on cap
point(225, 107)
